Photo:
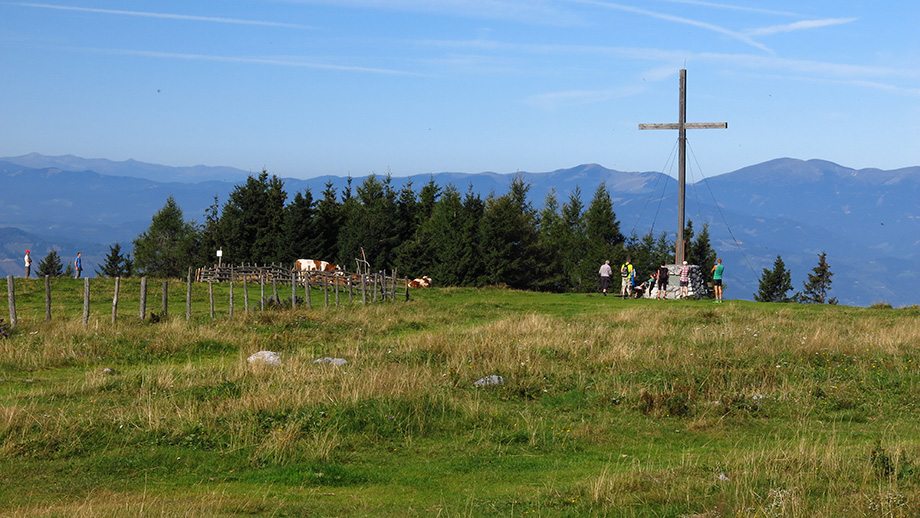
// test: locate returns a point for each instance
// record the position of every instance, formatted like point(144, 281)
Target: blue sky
point(311, 87)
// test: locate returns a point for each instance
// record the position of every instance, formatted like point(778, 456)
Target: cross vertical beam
point(682, 126)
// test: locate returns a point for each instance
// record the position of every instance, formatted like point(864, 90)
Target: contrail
point(169, 16)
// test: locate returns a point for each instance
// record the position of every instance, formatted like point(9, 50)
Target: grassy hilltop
point(608, 407)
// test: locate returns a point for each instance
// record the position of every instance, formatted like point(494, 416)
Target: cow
point(421, 282)
point(310, 265)
point(305, 268)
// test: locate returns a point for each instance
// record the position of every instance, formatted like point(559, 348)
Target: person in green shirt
point(717, 279)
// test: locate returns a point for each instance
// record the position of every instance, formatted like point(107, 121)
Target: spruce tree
point(50, 265)
point(575, 245)
point(818, 284)
point(116, 264)
point(602, 233)
point(775, 283)
point(327, 221)
point(167, 249)
point(700, 251)
point(252, 222)
point(551, 236)
point(299, 229)
point(508, 237)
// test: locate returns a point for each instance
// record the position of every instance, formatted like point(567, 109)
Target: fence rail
point(286, 288)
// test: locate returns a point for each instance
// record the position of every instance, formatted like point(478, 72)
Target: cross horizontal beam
point(687, 125)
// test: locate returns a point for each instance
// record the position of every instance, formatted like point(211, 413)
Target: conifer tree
point(508, 238)
point(551, 238)
point(602, 233)
point(575, 245)
point(252, 222)
point(299, 231)
point(701, 252)
point(167, 248)
point(50, 265)
point(327, 221)
point(116, 264)
point(775, 283)
point(818, 284)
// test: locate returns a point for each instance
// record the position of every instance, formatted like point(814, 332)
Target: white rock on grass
point(494, 379)
point(338, 362)
point(266, 357)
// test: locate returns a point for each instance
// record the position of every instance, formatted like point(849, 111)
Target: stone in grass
point(265, 357)
point(338, 362)
point(494, 379)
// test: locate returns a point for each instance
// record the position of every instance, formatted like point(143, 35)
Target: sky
point(304, 88)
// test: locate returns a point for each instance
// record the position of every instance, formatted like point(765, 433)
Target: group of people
point(659, 277)
point(77, 264)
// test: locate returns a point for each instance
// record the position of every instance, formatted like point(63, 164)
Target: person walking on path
point(717, 279)
point(606, 271)
point(662, 282)
point(28, 264)
point(78, 265)
point(684, 280)
point(626, 272)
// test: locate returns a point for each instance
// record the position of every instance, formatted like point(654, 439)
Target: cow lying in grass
point(421, 282)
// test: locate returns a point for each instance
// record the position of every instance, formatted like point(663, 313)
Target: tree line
point(456, 238)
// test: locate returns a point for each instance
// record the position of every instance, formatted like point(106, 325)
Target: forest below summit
point(457, 239)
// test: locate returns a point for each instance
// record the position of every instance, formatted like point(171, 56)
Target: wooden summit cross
point(682, 126)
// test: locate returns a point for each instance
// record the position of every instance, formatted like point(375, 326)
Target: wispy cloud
point(798, 26)
point(285, 62)
point(744, 38)
point(169, 16)
point(554, 100)
point(733, 7)
point(538, 12)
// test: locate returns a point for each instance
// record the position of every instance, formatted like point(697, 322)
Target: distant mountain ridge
point(868, 221)
point(130, 168)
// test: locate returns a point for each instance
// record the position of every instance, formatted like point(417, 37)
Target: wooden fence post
point(293, 292)
point(143, 306)
point(211, 296)
point(307, 287)
point(188, 296)
point(47, 298)
point(246, 294)
point(335, 284)
point(364, 289)
point(11, 295)
point(275, 289)
point(262, 292)
point(115, 299)
point(165, 299)
point(231, 292)
point(325, 289)
point(85, 300)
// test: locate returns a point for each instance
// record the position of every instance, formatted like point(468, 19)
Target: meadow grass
point(607, 408)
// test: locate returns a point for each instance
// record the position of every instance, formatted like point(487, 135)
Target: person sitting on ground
point(645, 287)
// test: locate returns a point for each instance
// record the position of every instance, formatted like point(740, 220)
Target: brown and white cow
point(421, 282)
point(311, 265)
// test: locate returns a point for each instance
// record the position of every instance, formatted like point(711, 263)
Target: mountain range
point(868, 220)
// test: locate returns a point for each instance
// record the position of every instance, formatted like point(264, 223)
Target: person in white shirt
point(28, 261)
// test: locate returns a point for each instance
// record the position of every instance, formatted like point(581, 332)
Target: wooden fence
point(334, 286)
